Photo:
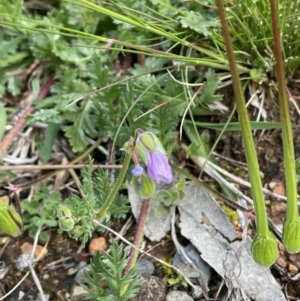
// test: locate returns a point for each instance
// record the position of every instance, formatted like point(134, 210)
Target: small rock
point(267, 202)
point(178, 296)
point(78, 292)
point(293, 258)
point(293, 269)
point(280, 246)
point(81, 274)
point(278, 188)
point(3, 269)
point(3, 240)
point(78, 267)
point(46, 276)
point(97, 245)
point(40, 252)
point(46, 297)
point(144, 267)
point(22, 293)
point(152, 288)
point(278, 207)
point(281, 262)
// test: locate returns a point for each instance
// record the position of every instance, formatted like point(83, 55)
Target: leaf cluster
point(105, 280)
point(83, 210)
point(40, 212)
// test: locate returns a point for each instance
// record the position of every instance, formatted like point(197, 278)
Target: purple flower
point(158, 167)
point(137, 171)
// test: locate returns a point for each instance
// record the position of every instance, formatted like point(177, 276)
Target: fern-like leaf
point(105, 280)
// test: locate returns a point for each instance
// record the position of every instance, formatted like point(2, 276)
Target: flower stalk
point(147, 148)
point(291, 230)
point(264, 247)
point(115, 189)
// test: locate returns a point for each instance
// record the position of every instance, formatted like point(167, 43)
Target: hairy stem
point(287, 137)
point(115, 188)
point(252, 162)
point(138, 236)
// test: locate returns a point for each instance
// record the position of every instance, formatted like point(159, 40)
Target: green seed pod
point(63, 210)
point(144, 186)
point(66, 223)
point(291, 236)
point(10, 221)
point(264, 249)
point(77, 231)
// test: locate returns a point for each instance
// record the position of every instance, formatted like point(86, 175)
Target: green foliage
point(2, 121)
point(250, 25)
point(208, 95)
point(10, 220)
point(170, 196)
point(79, 213)
point(105, 280)
point(40, 212)
point(198, 22)
point(82, 67)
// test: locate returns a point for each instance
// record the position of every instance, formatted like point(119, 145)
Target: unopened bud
point(63, 210)
point(77, 231)
point(144, 186)
point(264, 249)
point(66, 223)
point(147, 142)
point(291, 236)
point(10, 221)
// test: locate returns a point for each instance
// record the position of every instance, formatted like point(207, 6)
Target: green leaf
point(50, 136)
point(236, 126)
point(108, 268)
point(2, 121)
point(197, 22)
point(209, 89)
point(10, 220)
point(30, 206)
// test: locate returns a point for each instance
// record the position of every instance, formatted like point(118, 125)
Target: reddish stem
point(138, 236)
point(22, 121)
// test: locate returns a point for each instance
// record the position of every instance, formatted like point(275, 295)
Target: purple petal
point(158, 168)
point(137, 171)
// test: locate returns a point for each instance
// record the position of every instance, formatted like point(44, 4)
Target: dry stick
point(56, 166)
point(53, 173)
point(22, 121)
point(33, 273)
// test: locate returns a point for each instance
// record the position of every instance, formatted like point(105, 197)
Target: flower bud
point(291, 236)
point(66, 223)
point(63, 210)
point(77, 231)
point(10, 221)
point(152, 153)
point(137, 171)
point(144, 186)
point(147, 142)
point(264, 249)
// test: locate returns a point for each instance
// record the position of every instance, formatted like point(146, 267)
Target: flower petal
point(137, 171)
point(158, 168)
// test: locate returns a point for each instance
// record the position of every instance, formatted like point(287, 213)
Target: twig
point(33, 273)
point(22, 121)
point(56, 166)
